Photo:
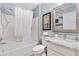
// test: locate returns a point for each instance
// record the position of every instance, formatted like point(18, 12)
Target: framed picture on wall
point(46, 21)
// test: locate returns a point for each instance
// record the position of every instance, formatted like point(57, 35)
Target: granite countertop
point(65, 42)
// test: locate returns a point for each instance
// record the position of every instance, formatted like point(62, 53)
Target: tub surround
point(8, 8)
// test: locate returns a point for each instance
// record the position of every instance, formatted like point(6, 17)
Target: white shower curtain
point(23, 22)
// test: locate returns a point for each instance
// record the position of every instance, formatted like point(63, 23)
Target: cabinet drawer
point(61, 49)
point(77, 52)
point(52, 53)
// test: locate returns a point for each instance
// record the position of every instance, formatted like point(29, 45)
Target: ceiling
point(29, 6)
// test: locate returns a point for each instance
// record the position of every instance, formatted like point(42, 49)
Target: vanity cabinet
point(58, 50)
point(52, 53)
point(77, 52)
point(66, 18)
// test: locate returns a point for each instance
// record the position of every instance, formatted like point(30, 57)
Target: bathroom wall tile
point(7, 8)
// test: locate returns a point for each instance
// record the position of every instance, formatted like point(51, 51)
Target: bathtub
point(17, 48)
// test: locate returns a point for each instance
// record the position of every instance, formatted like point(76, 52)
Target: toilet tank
point(43, 41)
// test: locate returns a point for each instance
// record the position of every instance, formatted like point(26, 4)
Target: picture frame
point(46, 19)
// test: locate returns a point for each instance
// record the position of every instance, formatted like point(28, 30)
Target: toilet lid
point(38, 48)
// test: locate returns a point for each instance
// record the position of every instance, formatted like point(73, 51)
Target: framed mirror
point(46, 19)
point(65, 18)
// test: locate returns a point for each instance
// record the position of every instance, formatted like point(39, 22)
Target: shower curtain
point(23, 22)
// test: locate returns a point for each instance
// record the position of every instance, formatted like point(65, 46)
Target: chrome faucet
point(2, 43)
point(65, 36)
point(1, 39)
point(76, 39)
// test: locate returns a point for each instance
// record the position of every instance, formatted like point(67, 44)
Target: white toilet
point(39, 50)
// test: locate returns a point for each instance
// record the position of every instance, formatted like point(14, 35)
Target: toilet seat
point(38, 49)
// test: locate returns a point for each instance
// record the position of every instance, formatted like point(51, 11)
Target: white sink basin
point(70, 40)
point(61, 41)
point(56, 38)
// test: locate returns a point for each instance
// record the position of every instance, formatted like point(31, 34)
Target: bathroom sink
point(70, 40)
point(61, 41)
point(56, 38)
point(53, 39)
point(2, 43)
